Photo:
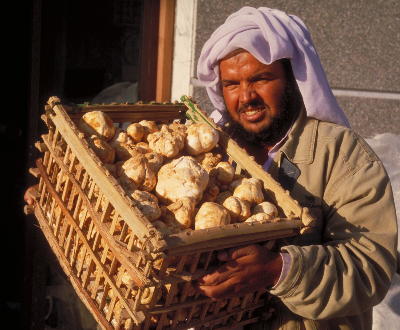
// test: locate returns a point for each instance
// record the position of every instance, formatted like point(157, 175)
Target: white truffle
point(166, 142)
point(143, 147)
point(182, 177)
point(97, 123)
point(136, 132)
point(200, 138)
point(211, 215)
point(239, 209)
point(123, 145)
point(149, 127)
point(224, 172)
point(266, 207)
point(263, 217)
point(180, 214)
point(250, 190)
point(147, 203)
point(178, 128)
point(209, 160)
point(222, 196)
point(155, 161)
point(236, 182)
point(102, 149)
point(138, 170)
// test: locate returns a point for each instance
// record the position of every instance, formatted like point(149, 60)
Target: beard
point(289, 104)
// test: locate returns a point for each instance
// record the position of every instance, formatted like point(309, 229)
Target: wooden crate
point(117, 261)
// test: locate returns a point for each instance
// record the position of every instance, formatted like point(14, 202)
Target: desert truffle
point(250, 190)
point(263, 217)
point(98, 123)
point(182, 177)
point(166, 142)
point(200, 138)
point(211, 215)
point(180, 214)
point(224, 172)
point(155, 160)
point(138, 170)
point(143, 147)
point(149, 127)
point(239, 209)
point(209, 160)
point(123, 145)
point(222, 196)
point(135, 131)
point(102, 149)
point(266, 207)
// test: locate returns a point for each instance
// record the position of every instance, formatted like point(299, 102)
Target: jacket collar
point(300, 143)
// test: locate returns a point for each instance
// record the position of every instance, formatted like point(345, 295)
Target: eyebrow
point(227, 81)
point(265, 74)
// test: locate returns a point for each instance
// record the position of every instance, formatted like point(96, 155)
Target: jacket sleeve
point(351, 271)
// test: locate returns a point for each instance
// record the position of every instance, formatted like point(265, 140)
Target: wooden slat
point(79, 289)
point(124, 256)
point(64, 261)
point(122, 205)
point(230, 235)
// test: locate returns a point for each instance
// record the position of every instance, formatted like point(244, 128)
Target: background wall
point(359, 46)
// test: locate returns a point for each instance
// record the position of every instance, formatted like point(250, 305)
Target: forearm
point(334, 281)
point(350, 271)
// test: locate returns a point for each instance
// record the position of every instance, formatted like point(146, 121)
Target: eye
point(229, 84)
point(262, 79)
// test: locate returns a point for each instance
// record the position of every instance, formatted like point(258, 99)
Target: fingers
point(28, 198)
point(222, 274)
point(235, 253)
point(29, 195)
point(222, 290)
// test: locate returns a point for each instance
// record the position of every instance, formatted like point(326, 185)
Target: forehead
point(241, 61)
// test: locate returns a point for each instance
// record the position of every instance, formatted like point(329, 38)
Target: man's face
point(253, 91)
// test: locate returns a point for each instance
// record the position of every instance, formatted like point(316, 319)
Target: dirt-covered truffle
point(211, 215)
point(98, 123)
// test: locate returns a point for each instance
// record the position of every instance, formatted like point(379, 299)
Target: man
point(264, 77)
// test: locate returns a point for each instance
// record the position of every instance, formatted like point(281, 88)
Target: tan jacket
point(344, 266)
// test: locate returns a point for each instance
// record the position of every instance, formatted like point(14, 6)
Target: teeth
point(251, 112)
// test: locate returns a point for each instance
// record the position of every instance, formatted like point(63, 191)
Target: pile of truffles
point(175, 174)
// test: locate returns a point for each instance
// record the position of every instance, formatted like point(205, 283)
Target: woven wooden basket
point(128, 274)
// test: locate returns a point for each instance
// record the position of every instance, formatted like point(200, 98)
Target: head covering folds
point(269, 35)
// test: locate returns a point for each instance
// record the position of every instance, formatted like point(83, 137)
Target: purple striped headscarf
point(269, 35)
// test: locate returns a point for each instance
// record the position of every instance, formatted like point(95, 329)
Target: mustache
point(253, 105)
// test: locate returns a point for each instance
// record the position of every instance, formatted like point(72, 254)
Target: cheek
point(231, 102)
point(271, 94)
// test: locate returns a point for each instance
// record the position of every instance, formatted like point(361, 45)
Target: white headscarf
point(269, 35)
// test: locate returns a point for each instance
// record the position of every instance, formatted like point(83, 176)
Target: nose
point(247, 93)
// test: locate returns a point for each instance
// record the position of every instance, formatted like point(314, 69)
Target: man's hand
point(30, 195)
point(246, 269)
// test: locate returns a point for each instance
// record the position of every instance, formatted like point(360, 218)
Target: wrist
point(273, 269)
